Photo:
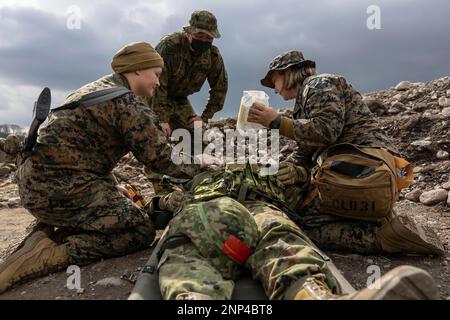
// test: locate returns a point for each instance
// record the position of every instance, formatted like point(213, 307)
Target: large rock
point(446, 112)
point(376, 106)
point(444, 102)
point(421, 143)
point(396, 107)
point(442, 155)
point(419, 107)
point(414, 195)
point(398, 97)
point(446, 185)
point(403, 85)
point(433, 197)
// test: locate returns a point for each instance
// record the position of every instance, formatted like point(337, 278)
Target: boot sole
point(27, 247)
point(408, 283)
point(43, 105)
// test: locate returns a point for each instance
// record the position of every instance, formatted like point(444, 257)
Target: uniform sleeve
point(160, 102)
point(143, 136)
point(325, 118)
point(218, 82)
point(302, 157)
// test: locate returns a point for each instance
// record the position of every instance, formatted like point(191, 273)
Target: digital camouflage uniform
point(66, 181)
point(282, 259)
point(184, 74)
point(328, 110)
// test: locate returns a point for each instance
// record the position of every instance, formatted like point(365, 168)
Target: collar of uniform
point(301, 88)
point(299, 101)
point(121, 80)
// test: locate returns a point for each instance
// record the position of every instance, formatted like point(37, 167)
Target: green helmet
point(284, 61)
point(223, 231)
point(203, 21)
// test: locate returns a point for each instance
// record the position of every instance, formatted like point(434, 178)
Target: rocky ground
point(415, 115)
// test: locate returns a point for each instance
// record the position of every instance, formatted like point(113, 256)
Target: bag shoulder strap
point(96, 97)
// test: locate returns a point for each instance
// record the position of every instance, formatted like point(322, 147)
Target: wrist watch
point(275, 124)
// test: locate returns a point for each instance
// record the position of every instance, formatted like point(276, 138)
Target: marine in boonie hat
point(284, 61)
point(203, 21)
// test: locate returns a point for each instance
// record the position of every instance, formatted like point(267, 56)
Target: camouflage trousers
point(95, 222)
point(334, 233)
point(282, 261)
point(180, 115)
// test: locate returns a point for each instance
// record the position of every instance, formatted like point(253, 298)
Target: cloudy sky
point(38, 49)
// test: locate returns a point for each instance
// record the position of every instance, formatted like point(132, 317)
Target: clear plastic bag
point(248, 98)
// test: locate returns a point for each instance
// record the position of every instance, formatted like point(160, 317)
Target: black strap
point(171, 242)
point(168, 242)
point(96, 97)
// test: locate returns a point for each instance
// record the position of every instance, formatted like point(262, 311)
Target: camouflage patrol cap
point(284, 61)
point(203, 21)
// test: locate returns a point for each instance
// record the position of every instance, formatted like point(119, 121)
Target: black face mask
point(200, 46)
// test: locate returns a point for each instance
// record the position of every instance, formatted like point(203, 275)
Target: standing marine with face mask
point(190, 59)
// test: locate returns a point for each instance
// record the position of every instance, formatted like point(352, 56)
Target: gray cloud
point(36, 48)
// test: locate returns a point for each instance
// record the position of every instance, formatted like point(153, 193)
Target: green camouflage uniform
point(282, 256)
point(66, 181)
point(328, 110)
point(184, 74)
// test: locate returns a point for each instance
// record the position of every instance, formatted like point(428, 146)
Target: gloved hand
point(171, 201)
point(289, 174)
